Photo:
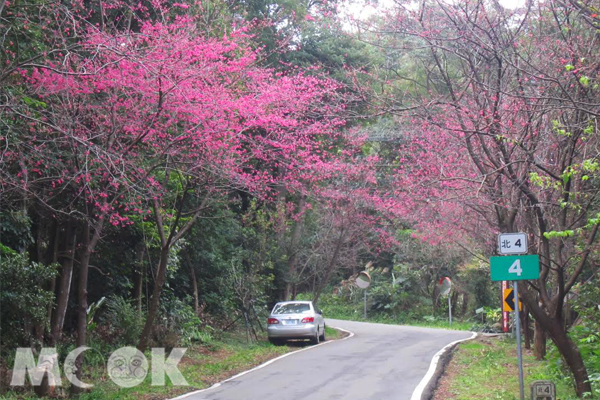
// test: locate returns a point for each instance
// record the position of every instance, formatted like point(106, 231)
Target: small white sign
point(512, 243)
point(543, 390)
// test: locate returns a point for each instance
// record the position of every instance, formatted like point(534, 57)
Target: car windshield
point(291, 308)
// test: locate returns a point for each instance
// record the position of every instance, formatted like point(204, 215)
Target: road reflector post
point(543, 390)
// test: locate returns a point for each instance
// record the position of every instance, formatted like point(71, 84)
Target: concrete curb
point(216, 385)
point(425, 388)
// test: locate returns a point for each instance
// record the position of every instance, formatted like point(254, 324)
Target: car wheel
point(322, 337)
point(276, 342)
point(315, 339)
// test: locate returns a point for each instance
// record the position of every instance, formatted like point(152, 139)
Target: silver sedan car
point(296, 320)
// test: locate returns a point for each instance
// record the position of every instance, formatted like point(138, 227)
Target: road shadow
point(298, 343)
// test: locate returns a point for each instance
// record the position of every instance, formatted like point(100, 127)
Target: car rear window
point(291, 308)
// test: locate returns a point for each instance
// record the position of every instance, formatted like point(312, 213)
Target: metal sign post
point(445, 288)
point(365, 305)
point(450, 310)
point(363, 281)
point(515, 266)
point(518, 330)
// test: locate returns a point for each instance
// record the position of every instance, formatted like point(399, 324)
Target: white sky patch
point(364, 9)
point(352, 11)
point(512, 4)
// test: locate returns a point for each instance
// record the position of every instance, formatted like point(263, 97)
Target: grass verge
point(341, 308)
point(424, 323)
point(486, 368)
point(202, 366)
point(334, 334)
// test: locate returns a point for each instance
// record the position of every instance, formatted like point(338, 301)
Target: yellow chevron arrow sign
point(508, 301)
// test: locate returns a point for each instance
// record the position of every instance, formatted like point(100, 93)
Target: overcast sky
point(358, 9)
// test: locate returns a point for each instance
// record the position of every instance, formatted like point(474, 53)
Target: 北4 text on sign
point(512, 243)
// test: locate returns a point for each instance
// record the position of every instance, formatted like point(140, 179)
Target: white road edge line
point(432, 367)
point(216, 385)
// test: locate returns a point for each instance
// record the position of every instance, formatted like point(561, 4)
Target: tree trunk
point(53, 259)
point(40, 324)
point(161, 273)
point(454, 301)
point(194, 283)
point(572, 357)
point(539, 341)
point(155, 300)
point(330, 268)
point(138, 276)
point(82, 303)
point(290, 278)
point(84, 263)
point(65, 283)
point(465, 304)
point(434, 299)
point(568, 350)
point(526, 328)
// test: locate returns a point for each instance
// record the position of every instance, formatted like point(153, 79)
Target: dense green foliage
point(23, 303)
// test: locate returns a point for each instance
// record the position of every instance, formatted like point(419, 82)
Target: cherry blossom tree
point(500, 136)
point(158, 123)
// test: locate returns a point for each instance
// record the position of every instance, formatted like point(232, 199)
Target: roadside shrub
point(334, 306)
point(23, 303)
point(179, 323)
point(396, 301)
point(124, 322)
point(166, 337)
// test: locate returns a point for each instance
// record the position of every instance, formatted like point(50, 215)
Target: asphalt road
point(380, 362)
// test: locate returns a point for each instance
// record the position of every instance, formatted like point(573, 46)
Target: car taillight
point(272, 321)
point(307, 320)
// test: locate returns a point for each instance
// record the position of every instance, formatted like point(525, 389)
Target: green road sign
point(515, 268)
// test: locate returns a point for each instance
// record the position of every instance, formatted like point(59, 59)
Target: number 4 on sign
point(515, 268)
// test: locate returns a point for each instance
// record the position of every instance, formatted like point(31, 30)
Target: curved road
point(380, 362)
